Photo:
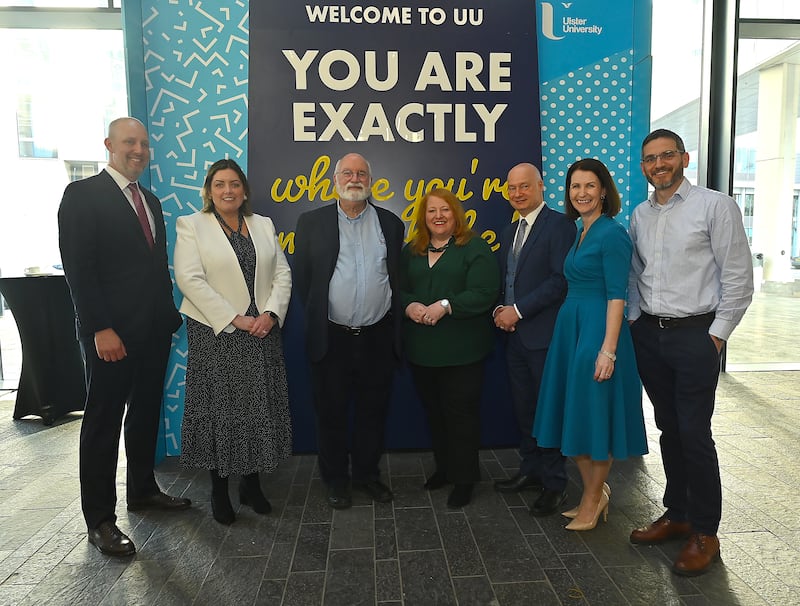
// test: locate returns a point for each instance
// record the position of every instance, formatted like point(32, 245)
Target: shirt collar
point(120, 179)
point(530, 218)
point(358, 217)
point(680, 194)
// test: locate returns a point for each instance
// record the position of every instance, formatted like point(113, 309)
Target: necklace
point(228, 227)
point(433, 249)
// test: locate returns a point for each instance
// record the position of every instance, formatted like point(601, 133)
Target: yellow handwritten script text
point(317, 185)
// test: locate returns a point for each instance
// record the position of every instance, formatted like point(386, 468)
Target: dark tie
point(141, 213)
point(523, 227)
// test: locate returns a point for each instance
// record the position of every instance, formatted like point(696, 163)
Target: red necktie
point(141, 213)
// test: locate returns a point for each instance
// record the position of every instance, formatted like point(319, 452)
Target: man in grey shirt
point(691, 282)
point(346, 271)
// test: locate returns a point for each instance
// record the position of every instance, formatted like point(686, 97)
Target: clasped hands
point(425, 314)
point(506, 318)
point(258, 327)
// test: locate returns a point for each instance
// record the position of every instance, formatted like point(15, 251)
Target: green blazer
point(469, 277)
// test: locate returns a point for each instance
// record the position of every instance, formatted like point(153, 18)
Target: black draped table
point(52, 382)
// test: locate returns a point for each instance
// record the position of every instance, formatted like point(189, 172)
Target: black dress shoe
point(376, 490)
point(160, 501)
point(111, 541)
point(460, 496)
point(517, 483)
point(436, 481)
point(339, 496)
point(548, 503)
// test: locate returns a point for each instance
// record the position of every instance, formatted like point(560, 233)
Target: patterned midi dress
point(236, 410)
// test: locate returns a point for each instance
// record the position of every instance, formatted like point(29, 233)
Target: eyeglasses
point(666, 156)
point(512, 189)
point(348, 174)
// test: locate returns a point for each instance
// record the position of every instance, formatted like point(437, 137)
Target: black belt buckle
point(354, 330)
point(661, 322)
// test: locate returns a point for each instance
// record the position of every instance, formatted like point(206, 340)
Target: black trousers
point(525, 370)
point(679, 367)
point(133, 388)
point(352, 385)
point(451, 396)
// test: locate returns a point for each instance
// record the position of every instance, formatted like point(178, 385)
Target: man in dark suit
point(346, 265)
point(532, 256)
point(113, 248)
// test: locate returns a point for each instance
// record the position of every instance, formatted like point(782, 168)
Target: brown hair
point(611, 203)
point(208, 204)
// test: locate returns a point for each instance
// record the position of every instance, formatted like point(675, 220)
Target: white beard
point(352, 194)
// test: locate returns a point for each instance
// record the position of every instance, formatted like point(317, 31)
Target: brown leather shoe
point(660, 531)
point(697, 556)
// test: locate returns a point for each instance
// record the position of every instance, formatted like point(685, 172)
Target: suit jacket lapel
point(537, 228)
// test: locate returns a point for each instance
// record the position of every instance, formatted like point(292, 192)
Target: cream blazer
point(208, 274)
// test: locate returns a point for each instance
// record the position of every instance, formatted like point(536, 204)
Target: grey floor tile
point(350, 578)
point(387, 580)
point(474, 591)
point(385, 539)
point(140, 584)
point(426, 581)
point(271, 592)
point(304, 588)
point(539, 593)
point(232, 581)
point(463, 557)
point(353, 528)
point(311, 553)
point(416, 529)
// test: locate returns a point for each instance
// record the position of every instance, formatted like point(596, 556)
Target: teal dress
point(575, 413)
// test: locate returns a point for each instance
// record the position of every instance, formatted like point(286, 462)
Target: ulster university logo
point(565, 24)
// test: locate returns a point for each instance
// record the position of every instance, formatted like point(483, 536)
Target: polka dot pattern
point(587, 113)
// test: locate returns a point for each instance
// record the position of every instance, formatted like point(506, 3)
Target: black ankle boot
point(220, 500)
point(460, 496)
point(250, 494)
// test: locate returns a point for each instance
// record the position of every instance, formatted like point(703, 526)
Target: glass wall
point(60, 92)
point(766, 172)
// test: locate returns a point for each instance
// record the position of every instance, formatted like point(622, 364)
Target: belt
point(663, 322)
point(357, 330)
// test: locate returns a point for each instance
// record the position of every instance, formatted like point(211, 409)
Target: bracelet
point(609, 355)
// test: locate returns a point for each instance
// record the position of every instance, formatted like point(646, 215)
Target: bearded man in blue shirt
point(691, 282)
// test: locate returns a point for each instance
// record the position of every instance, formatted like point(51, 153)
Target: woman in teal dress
point(590, 402)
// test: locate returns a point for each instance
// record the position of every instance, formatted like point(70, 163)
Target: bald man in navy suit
point(113, 248)
point(532, 256)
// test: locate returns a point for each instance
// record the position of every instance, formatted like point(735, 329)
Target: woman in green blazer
point(449, 283)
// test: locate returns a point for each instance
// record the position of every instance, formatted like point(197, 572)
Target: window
point(60, 92)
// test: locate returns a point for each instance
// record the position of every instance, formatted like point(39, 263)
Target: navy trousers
point(525, 370)
point(679, 367)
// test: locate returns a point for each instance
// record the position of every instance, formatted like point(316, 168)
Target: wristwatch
point(272, 315)
point(446, 304)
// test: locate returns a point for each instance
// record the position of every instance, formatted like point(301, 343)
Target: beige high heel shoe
point(602, 507)
point(573, 513)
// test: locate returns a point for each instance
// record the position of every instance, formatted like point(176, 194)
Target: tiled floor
point(414, 551)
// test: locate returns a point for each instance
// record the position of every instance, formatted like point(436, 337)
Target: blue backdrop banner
point(430, 96)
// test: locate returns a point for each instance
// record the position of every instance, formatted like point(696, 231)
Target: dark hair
point(663, 133)
point(611, 203)
point(208, 204)
point(462, 232)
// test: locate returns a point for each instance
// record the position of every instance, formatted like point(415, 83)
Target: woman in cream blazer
point(236, 285)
